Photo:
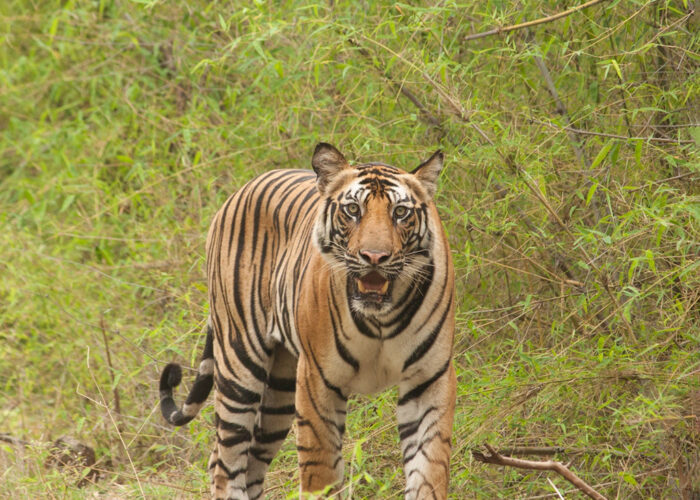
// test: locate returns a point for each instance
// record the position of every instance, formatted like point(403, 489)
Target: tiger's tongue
point(373, 283)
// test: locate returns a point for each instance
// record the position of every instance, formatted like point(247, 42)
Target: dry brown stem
point(615, 136)
point(542, 20)
point(561, 109)
point(497, 459)
point(115, 390)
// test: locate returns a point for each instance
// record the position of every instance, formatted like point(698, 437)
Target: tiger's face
point(374, 226)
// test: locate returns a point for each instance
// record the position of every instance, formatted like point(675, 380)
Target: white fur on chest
point(380, 366)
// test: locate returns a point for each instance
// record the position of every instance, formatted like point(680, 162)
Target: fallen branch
point(6, 438)
point(497, 459)
point(545, 451)
point(542, 20)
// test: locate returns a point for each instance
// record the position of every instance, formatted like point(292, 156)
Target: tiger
point(323, 284)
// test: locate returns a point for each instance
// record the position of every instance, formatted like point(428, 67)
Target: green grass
point(125, 124)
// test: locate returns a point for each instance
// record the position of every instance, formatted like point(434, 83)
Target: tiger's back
point(323, 285)
point(255, 250)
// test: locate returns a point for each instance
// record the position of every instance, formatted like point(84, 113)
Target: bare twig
point(542, 20)
point(615, 136)
point(13, 440)
point(497, 459)
point(561, 109)
point(115, 389)
point(545, 451)
point(104, 404)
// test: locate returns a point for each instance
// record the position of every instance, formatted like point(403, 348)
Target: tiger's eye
point(352, 209)
point(400, 212)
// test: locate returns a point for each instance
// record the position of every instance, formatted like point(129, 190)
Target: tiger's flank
point(323, 284)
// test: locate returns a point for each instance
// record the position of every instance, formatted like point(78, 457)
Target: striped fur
point(322, 285)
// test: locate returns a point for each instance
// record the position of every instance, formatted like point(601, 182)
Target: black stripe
point(344, 353)
point(200, 389)
point(271, 437)
point(255, 369)
point(278, 410)
point(311, 193)
point(409, 310)
point(236, 392)
point(282, 384)
point(409, 428)
point(231, 474)
point(420, 351)
point(231, 409)
point(234, 440)
point(326, 382)
point(417, 391)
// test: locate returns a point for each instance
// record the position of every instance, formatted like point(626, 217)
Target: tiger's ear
point(327, 162)
point(429, 171)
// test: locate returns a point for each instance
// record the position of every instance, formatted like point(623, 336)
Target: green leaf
point(591, 192)
point(602, 154)
point(279, 69)
point(67, 203)
point(617, 68)
point(638, 152)
point(650, 259)
point(633, 266)
point(628, 478)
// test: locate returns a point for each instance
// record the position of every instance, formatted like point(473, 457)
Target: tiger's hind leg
point(274, 419)
point(240, 381)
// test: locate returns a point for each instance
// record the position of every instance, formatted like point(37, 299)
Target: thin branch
point(615, 136)
point(497, 459)
point(114, 423)
point(115, 389)
point(561, 109)
point(13, 440)
point(545, 451)
point(548, 19)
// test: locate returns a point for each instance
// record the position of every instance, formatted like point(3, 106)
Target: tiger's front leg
point(321, 411)
point(425, 413)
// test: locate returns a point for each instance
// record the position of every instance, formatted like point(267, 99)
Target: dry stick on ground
point(545, 451)
point(498, 459)
point(548, 19)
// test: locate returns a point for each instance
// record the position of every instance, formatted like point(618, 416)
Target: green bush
point(571, 200)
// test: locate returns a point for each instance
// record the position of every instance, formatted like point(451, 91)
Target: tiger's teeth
point(361, 286)
point(385, 287)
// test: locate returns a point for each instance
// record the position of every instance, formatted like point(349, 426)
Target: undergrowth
point(571, 200)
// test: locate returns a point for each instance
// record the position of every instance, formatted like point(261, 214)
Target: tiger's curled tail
point(171, 378)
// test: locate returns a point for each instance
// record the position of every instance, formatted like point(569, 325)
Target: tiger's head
point(375, 224)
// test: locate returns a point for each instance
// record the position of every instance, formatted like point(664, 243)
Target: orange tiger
point(323, 284)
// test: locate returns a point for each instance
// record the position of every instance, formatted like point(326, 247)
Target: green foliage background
point(124, 124)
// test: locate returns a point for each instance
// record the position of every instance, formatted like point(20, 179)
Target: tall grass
point(571, 200)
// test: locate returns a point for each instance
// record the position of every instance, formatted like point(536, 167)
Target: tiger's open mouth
point(372, 286)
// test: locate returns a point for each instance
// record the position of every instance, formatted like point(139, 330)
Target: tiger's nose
point(374, 257)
